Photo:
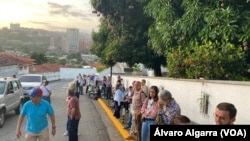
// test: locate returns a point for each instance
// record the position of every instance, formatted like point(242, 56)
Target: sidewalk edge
point(124, 133)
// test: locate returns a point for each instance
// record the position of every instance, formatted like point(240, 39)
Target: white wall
point(187, 92)
point(8, 71)
point(71, 73)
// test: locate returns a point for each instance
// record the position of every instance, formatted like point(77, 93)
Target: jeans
point(129, 120)
point(108, 94)
point(117, 110)
point(73, 129)
point(80, 90)
point(145, 131)
point(103, 89)
point(47, 98)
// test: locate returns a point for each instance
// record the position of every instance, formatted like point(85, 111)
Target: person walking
point(74, 115)
point(36, 111)
point(46, 90)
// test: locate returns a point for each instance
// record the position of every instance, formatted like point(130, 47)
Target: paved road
point(94, 124)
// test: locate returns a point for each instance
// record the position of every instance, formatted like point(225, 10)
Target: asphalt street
point(94, 125)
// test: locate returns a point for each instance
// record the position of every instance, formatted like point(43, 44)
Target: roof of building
point(9, 59)
point(44, 68)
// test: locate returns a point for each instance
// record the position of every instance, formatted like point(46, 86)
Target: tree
point(39, 57)
point(201, 38)
point(122, 35)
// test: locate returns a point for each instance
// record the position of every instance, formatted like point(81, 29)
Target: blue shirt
point(36, 115)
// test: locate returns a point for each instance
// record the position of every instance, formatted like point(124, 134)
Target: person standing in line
point(144, 87)
point(120, 80)
point(137, 102)
point(149, 111)
point(118, 98)
point(46, 90)
point(72, 86)
point(168, 107)
point(36, 111)
point(225, 114)
point(77, 81)
point(108, 88)
point(103, 89)
point(129, 100)
point(87, 84)
point(80, 87)
point(84, 78)
point(96, 80)
point(74, 115)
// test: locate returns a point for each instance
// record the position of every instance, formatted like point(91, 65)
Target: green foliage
point(100, 68)
point(210, 34)
point(39, 57)
point(136, 67)
point(122, 36)
point(210, 60)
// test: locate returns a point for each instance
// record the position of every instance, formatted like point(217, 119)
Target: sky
point(53, 15)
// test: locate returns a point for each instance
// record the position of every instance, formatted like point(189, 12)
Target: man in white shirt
point(46, 90)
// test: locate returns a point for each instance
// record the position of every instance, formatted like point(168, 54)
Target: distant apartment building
point(14, 26)
point(72, 40)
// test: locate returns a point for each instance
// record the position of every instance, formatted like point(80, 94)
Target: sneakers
point(66, 133)
point(126, 127)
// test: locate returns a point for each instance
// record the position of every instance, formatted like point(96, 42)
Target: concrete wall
point(71, 73)
point(8, 71)
point(187, 92)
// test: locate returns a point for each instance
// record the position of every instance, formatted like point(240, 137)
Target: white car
point(11, 97)
point(30, 81)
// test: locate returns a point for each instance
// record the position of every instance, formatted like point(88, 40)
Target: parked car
point(11, 97)
point(30, 81)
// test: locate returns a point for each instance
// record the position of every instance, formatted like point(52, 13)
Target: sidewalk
point(119, 124)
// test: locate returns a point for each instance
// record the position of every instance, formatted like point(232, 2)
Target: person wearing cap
point(36, 111)
point(46, 90)
point(168, 107)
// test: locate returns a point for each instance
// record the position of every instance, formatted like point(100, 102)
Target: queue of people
point(160, 108)
point(146, 106)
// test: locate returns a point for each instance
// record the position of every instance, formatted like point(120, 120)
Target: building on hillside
point(12, 64)
point(72, 40)
point(15, 26)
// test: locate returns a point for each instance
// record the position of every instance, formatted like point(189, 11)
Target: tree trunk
point(157, 70)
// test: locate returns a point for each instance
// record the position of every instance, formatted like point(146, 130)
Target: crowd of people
point(151, 106)
point(145, 106)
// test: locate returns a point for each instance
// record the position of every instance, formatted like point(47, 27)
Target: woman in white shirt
point(118, 98)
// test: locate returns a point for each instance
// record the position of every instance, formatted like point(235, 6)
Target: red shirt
point(73, 103)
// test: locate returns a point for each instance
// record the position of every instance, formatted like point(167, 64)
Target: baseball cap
point(36, 92)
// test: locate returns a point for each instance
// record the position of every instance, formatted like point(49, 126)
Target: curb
point(124, 133)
